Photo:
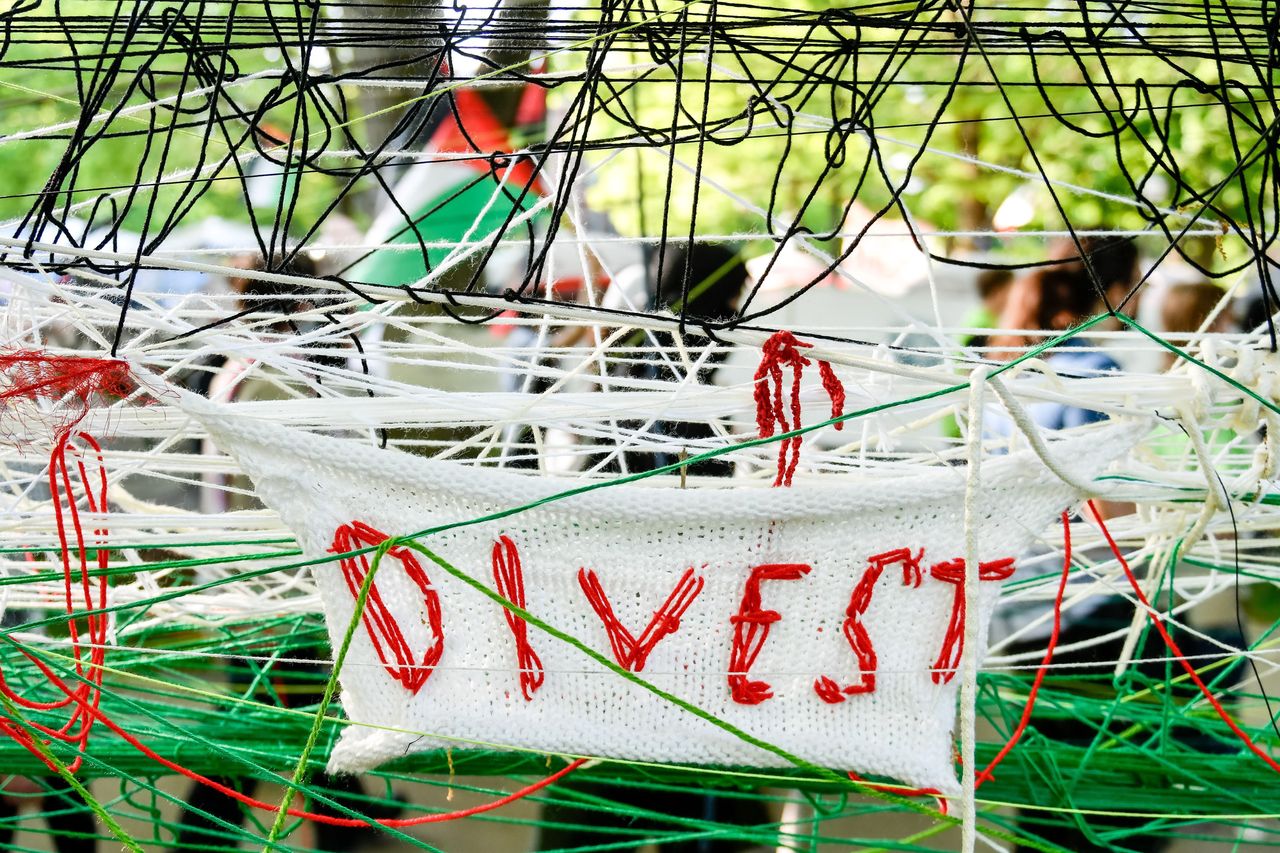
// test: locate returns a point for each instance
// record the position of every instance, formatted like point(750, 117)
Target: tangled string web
point(565, 320)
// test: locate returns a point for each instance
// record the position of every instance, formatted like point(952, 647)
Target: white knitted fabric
point(640, 540)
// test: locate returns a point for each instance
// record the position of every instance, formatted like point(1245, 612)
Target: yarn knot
point(783, 349)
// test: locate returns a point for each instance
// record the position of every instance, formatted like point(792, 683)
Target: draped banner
point(826, 619)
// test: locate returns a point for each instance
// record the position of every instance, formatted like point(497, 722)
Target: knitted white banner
point(826, 619)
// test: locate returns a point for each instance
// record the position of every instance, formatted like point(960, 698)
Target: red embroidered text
point(388, 639)
point(508, 574)
point(631, 651)
point(952, 572)
point(751, 628)
point(856, 633)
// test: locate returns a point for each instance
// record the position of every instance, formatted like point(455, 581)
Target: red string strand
point(1169, 642)
point(508, 575)
point(389, 642)
point(1016, 735)
point(67, 493)
point(904, 792)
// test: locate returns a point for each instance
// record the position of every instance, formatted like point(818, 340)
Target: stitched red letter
point(378, 619)
point(952, 572)
point(751, 628)
point(856, 633)
point(508, 574)
point(630, 651)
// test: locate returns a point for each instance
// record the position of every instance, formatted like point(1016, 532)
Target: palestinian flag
point(449, 199)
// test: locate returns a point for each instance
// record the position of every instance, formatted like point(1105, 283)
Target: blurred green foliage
point(1102, 121)
point(65, 69)
point(780, 140)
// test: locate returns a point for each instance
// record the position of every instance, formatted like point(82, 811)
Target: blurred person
point(1040, 306)
point(251, 294)
point(1109, 263)
point(993, 288)
point(716, 276)
point(437, 347)
point(233, 378)
point(1184, 308)
point(530, 366)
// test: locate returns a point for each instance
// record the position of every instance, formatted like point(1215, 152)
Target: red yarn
point(80, 593)
point(630, 651)
point(1158, 624)
point(331, 820)
point(508, 574)
point(904, 792)
point(751, 629)
point(856, 633)
point(828, 690)
point(783, 349)
point(378, 619)
point(85, 696)
point(952, 572)
point(71, 382)
point(985, 775)
point(835, 390)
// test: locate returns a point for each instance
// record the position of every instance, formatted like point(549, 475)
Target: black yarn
point(849, 64)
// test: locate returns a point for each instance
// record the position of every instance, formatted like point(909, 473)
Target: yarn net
point(699, 586)
point(449, 206)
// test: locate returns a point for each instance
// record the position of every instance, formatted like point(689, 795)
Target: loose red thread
point(508, 574)
point(71, 382)
point(952, 572)
point(783, 349)
point(903, 792)
point(76, 474)
point(751, 628)
point(1018, 731)
point(35, 375)
point(828, 689)
point(378, 619)
point(630, 651)
point(1158, 624)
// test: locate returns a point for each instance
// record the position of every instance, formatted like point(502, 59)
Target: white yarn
point(890, 465)
point(640, 539)
point(972, 627)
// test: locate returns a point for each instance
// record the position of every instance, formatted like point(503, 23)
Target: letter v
point(631, 651)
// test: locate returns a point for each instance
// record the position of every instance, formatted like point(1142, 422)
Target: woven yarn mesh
point(639, 540)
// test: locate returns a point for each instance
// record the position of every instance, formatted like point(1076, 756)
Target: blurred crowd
point(1014, 311)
